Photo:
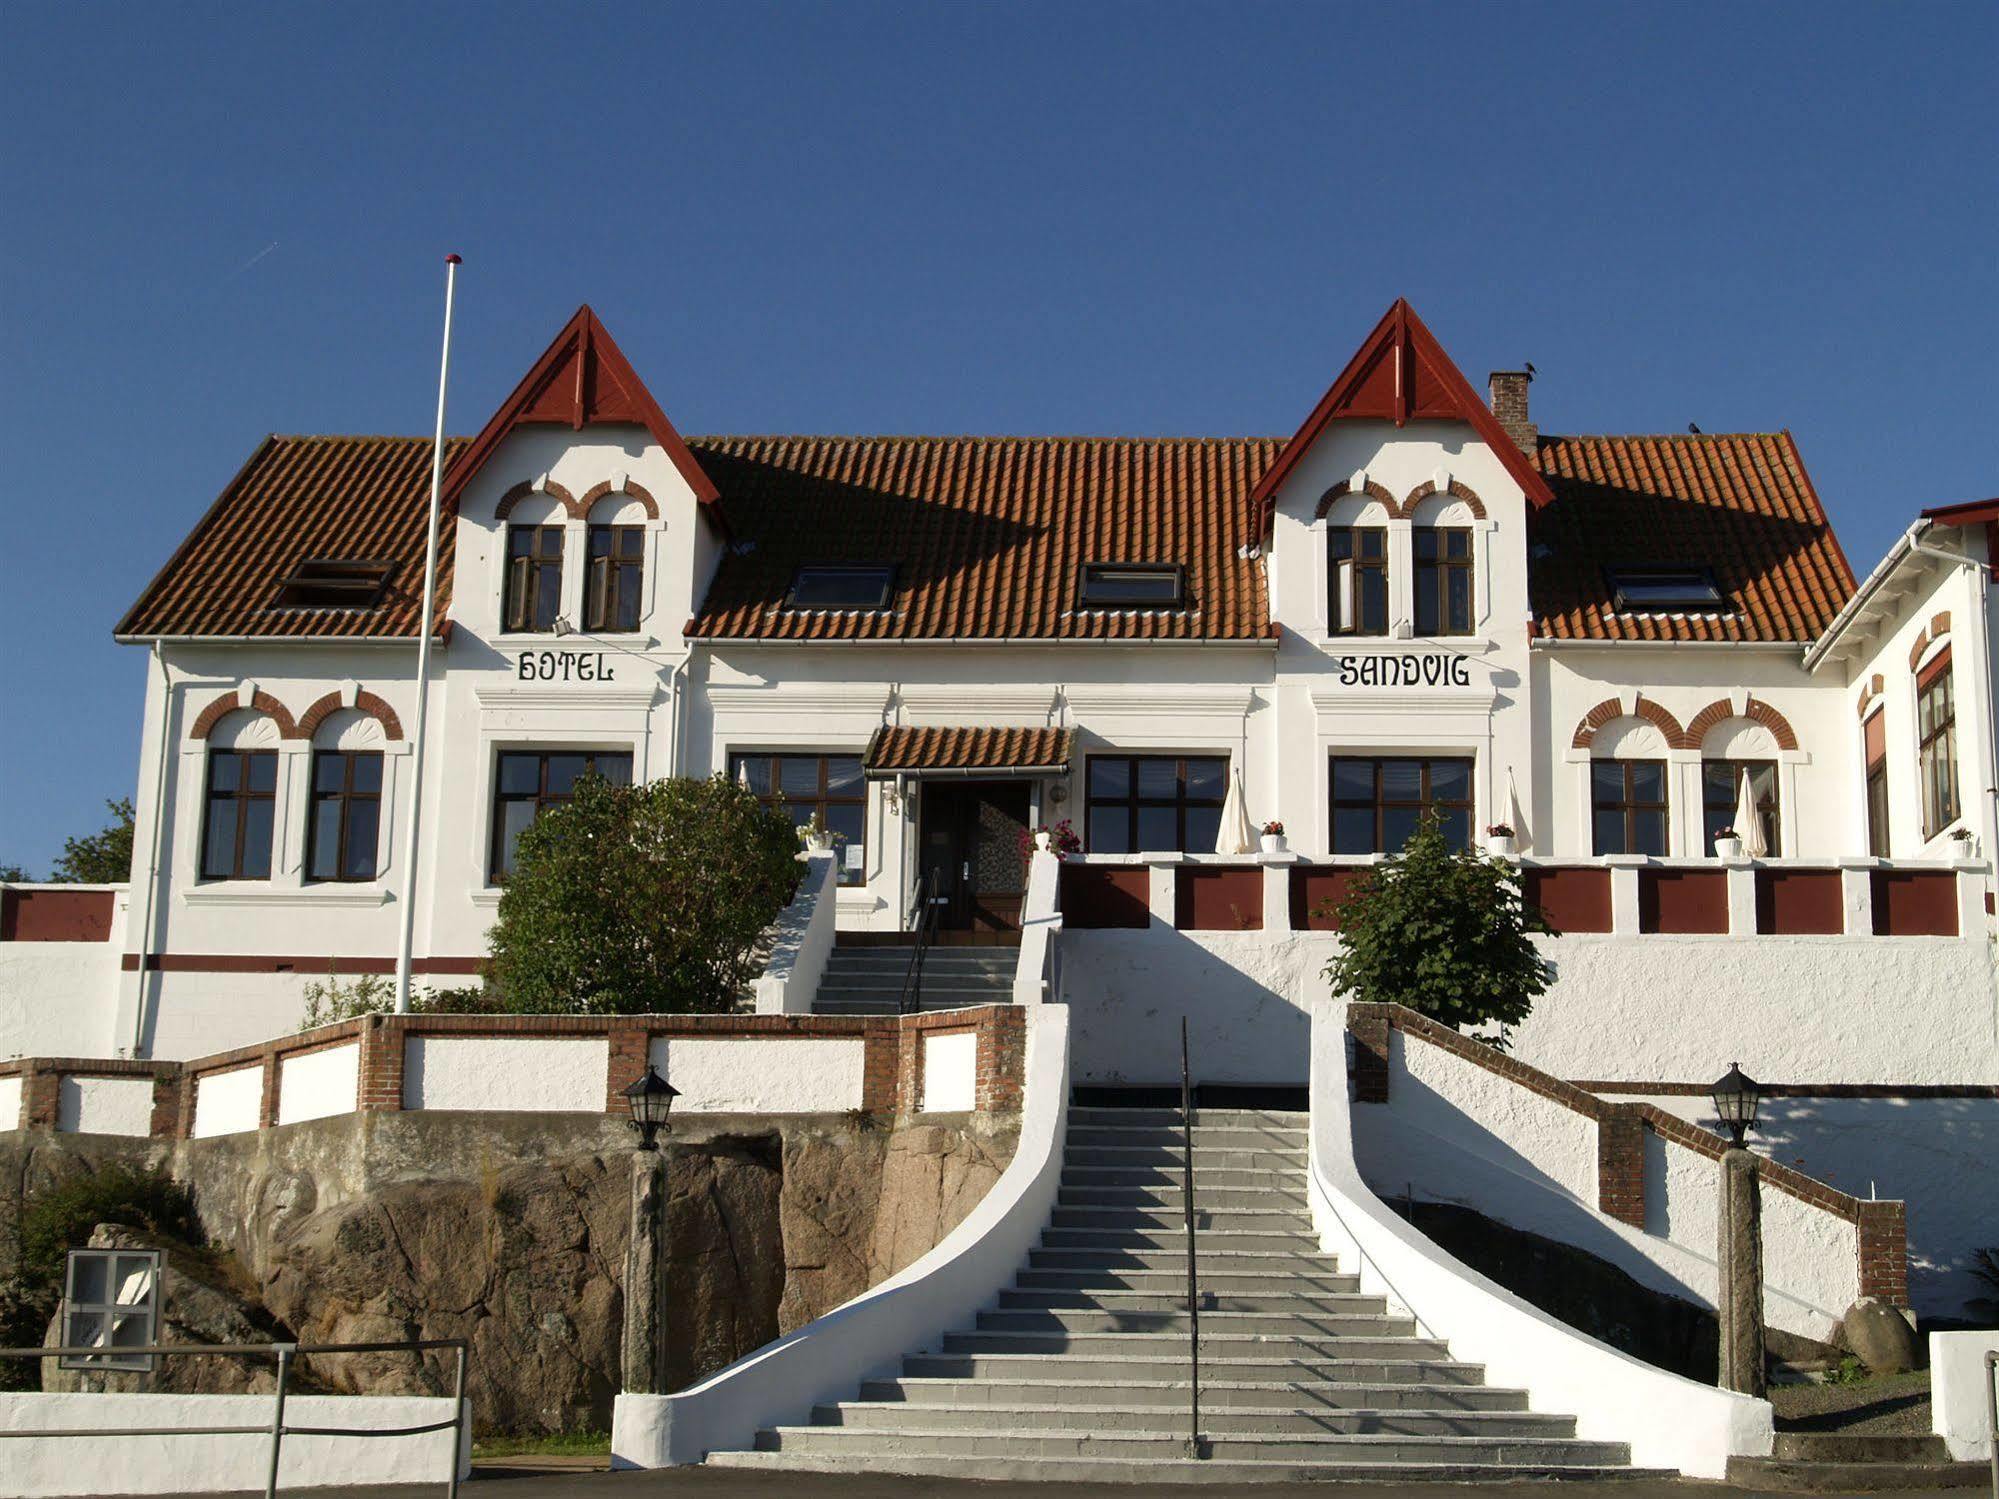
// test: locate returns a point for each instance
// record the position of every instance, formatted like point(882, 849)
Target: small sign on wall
point(564, 666)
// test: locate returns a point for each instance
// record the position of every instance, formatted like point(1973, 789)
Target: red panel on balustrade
point(1800, 902)
point(1915, 903)
point(1316, 892)
point(1218, 900)
point(56, 915)
point(1683, 901)
point(1102, 896)
point(1573, 900)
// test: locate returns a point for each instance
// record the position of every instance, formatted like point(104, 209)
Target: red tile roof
point(1739, 504)
point(301, 497)
point(902, 748)
point(988, 536)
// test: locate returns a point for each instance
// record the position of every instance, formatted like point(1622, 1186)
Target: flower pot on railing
point(1729, 847)
point(1501, 845)
point(1273, 843)
point(1044, 840)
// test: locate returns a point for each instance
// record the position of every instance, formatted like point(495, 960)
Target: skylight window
point(1121, 585)
point(848, 587)
point(334, 583)
point(1666, 590)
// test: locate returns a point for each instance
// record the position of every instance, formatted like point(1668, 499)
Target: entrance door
point(971, 834)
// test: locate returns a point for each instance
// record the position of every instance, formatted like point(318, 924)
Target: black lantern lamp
point(1735, 1099)
point(651, 1100)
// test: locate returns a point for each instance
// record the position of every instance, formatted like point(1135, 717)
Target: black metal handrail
point(923, 924)
point(1195, 1446)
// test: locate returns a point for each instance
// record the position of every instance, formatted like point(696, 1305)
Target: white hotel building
point(1416, 600)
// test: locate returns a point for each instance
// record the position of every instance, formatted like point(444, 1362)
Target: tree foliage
point(629, 899)
point(101, 858)
point(1447, 934)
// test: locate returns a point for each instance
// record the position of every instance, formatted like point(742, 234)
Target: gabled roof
point(582, 379)
point(895, 749)
point(988, 534)
point(1738, 504)
point(1400, 374)
point(299, 498)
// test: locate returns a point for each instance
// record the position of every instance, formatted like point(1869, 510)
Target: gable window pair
point(343, 827)
point(614, 578)
point(1629, 805)
point(1357, 580)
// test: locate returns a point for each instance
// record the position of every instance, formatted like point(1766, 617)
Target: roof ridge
point(940, 437)
point(1655, 436)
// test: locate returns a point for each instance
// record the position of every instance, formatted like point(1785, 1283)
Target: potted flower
point(1961, 836)
point(1727, 845)
point(1273, 837)
point(1058, 840)
point(1499, 841)
point(818, 837)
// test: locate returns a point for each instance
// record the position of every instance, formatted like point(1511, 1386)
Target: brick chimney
point(1509, 405)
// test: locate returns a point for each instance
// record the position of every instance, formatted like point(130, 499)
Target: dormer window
point(841, 587)
point(1666, 590)
point(534, 579)
point(1133, 585)
point(334, 583)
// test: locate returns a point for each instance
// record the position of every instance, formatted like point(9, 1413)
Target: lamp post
point(1739, 1256)
point(644, 1354)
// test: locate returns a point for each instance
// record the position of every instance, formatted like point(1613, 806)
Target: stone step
point(1138, 1474)
point(1207, 1197)
point(1105, 1157)
point(1211, 1259)
point(1215, 1323)
point(1297, 1241)
point(1156, 1118)
point(1146, 1178)
point(1174, 1282)
point(1858, 1447)
point(1775, 1475)
point(881, 1006)
point(886, 1443)
point(1165, 1299)
point(831, 988)
point(1215, 1395)
point(1107, 1411)
point(1206, 1137)
point(1120, 1367)
point(1173, 1345)
point(1219, 1219)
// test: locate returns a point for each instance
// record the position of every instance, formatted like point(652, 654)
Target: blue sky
point(1120, 218)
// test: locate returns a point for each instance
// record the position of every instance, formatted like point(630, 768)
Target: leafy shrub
point(332, 998)
point(1449, 934)
point(628, 899)
point(59, 1218)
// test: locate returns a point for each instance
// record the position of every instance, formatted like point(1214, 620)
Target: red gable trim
point(1968, 513)
point(582, 379)
point(1401, 374)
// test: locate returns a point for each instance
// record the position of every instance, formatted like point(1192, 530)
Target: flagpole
point(414, 821)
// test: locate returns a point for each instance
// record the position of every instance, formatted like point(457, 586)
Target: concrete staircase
point(1081, 1371)
point(868, 980)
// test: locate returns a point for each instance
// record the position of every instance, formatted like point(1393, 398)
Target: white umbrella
point(1748, 823)
point(1236, 835)
point(1513, 818)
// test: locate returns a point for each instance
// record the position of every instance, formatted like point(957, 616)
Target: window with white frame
point(532, 595)
point(1936, 743)
point(1443, 579)
point(1357, 580)
point(1628, 807)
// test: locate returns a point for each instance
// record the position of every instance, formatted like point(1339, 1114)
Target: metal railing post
point(1193, 1286)
point(457, 1424)
point(278, 1418)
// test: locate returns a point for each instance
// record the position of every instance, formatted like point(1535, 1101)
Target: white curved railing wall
point(1041, 919)
point(828, 1358)
point(802, 940)
point(1668, 1421)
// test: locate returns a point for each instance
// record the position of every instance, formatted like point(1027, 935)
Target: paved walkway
point(495, 1481)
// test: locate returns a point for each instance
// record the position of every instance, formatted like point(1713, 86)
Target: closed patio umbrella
point(1236, 835)
point(1749, 823)
point(1513, 818)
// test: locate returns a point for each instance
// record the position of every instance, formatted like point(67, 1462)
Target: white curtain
point(1514, 819)
point(1236, 835)
point(1748, 824)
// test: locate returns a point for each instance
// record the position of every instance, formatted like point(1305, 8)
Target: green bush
point(333, 998)
point(1446, 933)
point(629, 899)
point(59, 1218)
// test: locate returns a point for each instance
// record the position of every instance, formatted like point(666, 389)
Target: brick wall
point(1621, 1132)
point(892, 1059)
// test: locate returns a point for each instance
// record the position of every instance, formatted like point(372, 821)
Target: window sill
point(490, 897)
point(575, 640)
point(286, 895)
point(1470, 645)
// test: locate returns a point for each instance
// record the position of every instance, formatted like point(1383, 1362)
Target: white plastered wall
point(763, 1075)
point(319, 1084)
point(228, 1103)
point(103, 1105)
point(950, 1073)
point(522, 1074)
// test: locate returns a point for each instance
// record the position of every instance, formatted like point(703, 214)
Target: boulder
point(1879, 1335)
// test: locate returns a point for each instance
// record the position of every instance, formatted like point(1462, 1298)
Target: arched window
point(614, 579)
point(1357, 561)
point(344, 817)
point(1936, 742)
point(1733, 751)
point(1629, 802)
point(239, 797)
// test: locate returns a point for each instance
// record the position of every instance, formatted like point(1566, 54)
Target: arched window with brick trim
point(1738, 745)
point(614, 560)
point(1630, 802)
point(1442, 543)
point(1358, 593)
point(239, 794)
point(345, 797)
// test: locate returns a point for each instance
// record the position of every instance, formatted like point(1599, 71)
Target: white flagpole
point(414, 821)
